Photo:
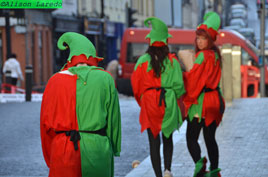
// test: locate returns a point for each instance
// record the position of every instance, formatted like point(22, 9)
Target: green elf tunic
point(80, 121)
point(206, 73)
point(167, 116)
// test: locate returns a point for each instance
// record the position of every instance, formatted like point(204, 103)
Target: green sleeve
point(178, 85)
point(142, 59)
point(200, 58)
point(114, 120)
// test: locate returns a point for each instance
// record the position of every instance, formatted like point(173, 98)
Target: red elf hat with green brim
point(81, 49)
point(211, 24)
point(159, 34)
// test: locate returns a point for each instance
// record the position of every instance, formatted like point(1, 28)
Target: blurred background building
point(32, 34)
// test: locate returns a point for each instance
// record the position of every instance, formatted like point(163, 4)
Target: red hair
point(202, 32)
point(211, 44)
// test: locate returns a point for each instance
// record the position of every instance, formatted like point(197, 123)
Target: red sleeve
point(47, 134)
point(57, 110)
point(136, 81)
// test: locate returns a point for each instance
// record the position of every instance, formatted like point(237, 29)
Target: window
point(174, 48)
point(135, 50)
point(247, 59)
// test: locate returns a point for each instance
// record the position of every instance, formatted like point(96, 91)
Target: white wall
point(69, 7)
point(170, 11)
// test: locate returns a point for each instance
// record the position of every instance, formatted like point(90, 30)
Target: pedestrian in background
point(12, 69)
point(80, 115)
point(157, 85)
point(203, 101)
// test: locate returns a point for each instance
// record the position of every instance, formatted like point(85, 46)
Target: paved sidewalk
point(242, 139)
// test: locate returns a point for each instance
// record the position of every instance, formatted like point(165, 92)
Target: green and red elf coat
point(156, 113)
point(205, 74)
point(158, 118)
point(80, 100)
point(203, 97)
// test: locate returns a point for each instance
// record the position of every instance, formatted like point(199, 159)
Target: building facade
point(104, 23)
point(30, 39)
point(145, 9)
point(34, 34)
point(65, 19)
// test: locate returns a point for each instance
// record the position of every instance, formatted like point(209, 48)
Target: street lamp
point(262, 55)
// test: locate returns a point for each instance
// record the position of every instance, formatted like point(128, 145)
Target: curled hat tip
point(62, 46)
point(62, 41)
point(146, 22)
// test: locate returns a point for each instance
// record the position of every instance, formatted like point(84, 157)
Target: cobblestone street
point(242, 139)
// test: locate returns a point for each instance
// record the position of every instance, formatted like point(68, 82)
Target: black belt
point(75, 136)
point(220, 97)
point(162, 95)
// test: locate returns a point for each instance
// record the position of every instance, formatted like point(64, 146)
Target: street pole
point(102, 43)
point(102, 9)
point(8, 38)
point(262, 57)
point(172, 13)
point(127, 19)
point(215, 5)
point(28, 82)
point(29, 67)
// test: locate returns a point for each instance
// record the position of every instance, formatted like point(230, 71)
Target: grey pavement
point(20, 146)
point(242, 139)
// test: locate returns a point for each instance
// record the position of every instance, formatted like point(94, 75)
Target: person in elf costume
point(203, 101)
point(80, 115)
point(157, 85)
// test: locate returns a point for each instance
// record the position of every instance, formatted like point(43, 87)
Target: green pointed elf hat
point(159, 32)
point(211, 24)
point(78, 45)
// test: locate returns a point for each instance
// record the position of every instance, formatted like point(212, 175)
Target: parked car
point(134, 45)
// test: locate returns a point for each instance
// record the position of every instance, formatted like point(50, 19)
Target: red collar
point(91, 61)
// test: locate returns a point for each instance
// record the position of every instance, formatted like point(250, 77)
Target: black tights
point(192, 134)
point(155, 152)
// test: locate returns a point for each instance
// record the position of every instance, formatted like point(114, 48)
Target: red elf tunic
point(205, 74)
point(148, 95)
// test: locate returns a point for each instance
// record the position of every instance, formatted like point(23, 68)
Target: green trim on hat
point(78, 45)
point(212, 20)
point(159, 32)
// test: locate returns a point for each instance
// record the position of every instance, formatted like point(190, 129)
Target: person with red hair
point(203, 101)
point(157, 85)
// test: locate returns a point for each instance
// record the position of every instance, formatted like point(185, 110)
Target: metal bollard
point(8, 77)
point(8, 80)
point(28, 82)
